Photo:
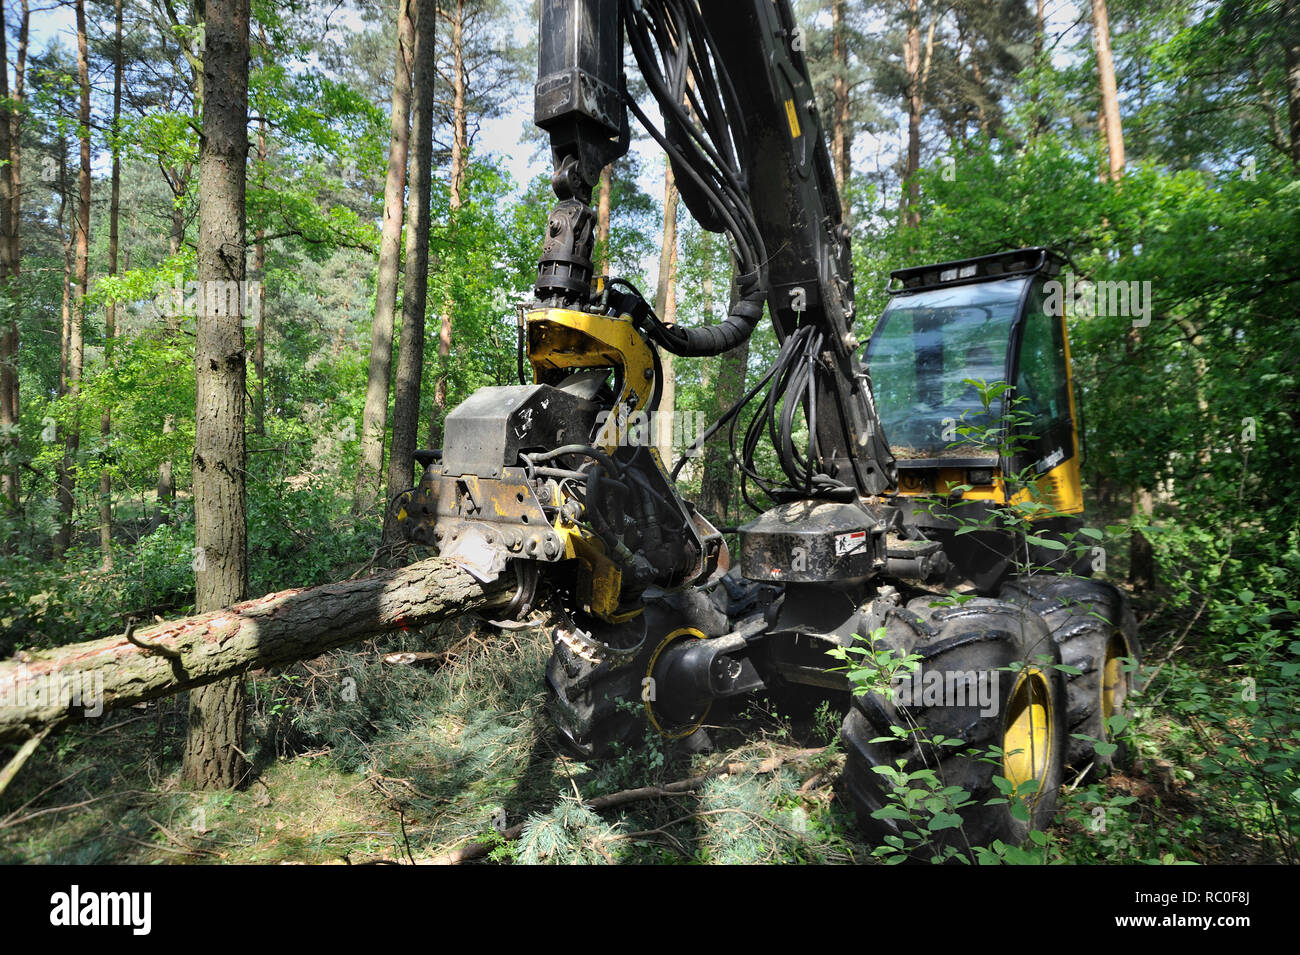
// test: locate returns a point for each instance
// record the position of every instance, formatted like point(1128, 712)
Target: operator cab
point(950, 332)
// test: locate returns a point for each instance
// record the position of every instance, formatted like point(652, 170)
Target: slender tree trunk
point(1039, 123)
point(1141, 555)
point(110, 316)
point(841, 131)
point(10, 262)
point(76, 328)
point(980, 111)
point(375, 416)
point(666, 309)
point(917, 68)
point(213, 749)
point(65, 240)
point(456, 186)
point(1110, 122)
point(259, 299)
point(602, 218)
point(410, 359)
point(1291, 46)
point(166, 489)
point(717, 485)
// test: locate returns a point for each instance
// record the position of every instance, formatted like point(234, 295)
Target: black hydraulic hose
point(704, 341)
point(728, 416)
point(593, 507)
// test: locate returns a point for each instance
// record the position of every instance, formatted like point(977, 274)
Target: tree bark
point(9, 473)
point(259, 298)
point(717, 485)
point(110, 312)
point(666, 309)
point(841, 132)
point(917, 69)
point(456, 185)
point(1291, 55)
point(168, 658)
point(76, 327)
point(1110, 121)
point(374, 419)
point(213, 747)
point(410, 359)
point(10, 258)
point(602, 218)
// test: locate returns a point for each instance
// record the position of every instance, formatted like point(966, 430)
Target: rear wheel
point(1094, 628)
point(1010, 723)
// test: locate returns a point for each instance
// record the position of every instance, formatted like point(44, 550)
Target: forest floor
point(358, 760)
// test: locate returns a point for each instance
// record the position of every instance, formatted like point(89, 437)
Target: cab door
point(1046, 434)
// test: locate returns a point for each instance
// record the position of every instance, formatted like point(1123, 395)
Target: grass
point(356, 760)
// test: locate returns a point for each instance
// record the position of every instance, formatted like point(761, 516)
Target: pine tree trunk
point(374, 419)
point(841, 131)
point(213, 757)
point(76, 325)
point(259, 298)
point(110, 317)
point(456, 185)
point(1110, 121)
point(717, 486)
point(410, 359)
point(1141, 555)
point(1291, 54)
point(602, 218)
point(917, 69)
point(10, 262)
point(179, 181)
point(37, 690)
point(666, 309)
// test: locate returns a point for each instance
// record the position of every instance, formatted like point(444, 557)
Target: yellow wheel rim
point(1028, 740)
point(1114, 681)
point(671, 732)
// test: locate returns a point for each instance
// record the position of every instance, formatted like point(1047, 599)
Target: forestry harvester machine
point(867, 526)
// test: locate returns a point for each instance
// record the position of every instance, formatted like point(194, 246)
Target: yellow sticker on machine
point(793, 118)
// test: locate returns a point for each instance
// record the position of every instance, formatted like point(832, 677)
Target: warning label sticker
point(850, 543)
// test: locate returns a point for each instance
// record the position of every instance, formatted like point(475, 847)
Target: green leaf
point(944, 820)
point(1045, 542)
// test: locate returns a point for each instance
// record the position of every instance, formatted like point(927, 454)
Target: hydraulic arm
point(559, 478)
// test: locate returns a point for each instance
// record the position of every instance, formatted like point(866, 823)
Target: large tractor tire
point(599, 697)
point(1022, 712)
point(1092, 624)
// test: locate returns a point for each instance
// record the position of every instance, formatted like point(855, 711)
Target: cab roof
point(983, 268)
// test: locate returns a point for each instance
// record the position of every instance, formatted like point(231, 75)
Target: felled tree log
point(42, 689)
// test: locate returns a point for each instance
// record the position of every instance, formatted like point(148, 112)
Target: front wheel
point(984, 714)
point(1094, 628)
